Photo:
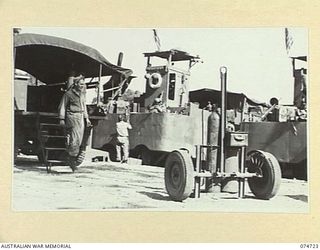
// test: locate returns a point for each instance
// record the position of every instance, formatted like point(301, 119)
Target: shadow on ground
point(303, 198)
point(156, 196)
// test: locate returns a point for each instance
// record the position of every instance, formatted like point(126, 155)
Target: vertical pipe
point(148, 61)
point(120, 58)
point(100, 87)
point(293, 66)
point(223, 78)
point(197, 179)
point(243, 111)
point(168, 80)
point(242, 180)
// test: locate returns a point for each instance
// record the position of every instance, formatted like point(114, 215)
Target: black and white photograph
point(160, 119)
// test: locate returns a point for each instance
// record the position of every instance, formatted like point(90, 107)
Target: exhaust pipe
point(223, 78)
point(120, 58)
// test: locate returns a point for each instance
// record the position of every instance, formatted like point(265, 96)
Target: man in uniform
point(123, 139)
point(73, 114)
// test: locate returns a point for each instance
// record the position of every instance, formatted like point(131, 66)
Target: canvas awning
point(234, 100)
point(50, 59)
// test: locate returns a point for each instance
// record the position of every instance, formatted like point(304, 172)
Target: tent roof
point(202, 96)
point(50, 59)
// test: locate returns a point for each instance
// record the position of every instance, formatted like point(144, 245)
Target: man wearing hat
point(73, 114)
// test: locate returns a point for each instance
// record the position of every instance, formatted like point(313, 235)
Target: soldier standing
point(73, 114)
point(123, 139)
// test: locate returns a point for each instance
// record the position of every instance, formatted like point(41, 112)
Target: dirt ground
point(115, 186)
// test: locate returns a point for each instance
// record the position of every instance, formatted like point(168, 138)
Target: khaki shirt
point(73, 102)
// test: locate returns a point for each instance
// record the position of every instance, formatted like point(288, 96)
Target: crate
point(237, 139)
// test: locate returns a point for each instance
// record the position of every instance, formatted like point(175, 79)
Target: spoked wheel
point(178, 175)
point(266, 165)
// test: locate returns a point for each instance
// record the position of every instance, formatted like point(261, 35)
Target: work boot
point(72, 163)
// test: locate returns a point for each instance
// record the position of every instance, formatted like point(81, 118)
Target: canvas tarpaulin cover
point(50, 59)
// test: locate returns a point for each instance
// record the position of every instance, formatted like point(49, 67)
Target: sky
point(257, 60)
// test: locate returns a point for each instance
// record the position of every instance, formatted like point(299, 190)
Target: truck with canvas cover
point(42, 67)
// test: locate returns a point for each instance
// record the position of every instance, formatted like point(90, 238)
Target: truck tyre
point(268, 167)
point(16, 153)
point(179, 175)
point(111, 149)
point(40, 157)
point(146, 157)
point(300, 170)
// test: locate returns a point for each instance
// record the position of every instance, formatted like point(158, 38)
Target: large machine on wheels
point(190, 142)
point(283, 137)
point(225, 161)
point(49, 62)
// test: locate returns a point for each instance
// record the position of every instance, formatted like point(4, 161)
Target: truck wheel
point(16, 153)
point(39, 152)
point(146, 157)
point(40, 157)
point(265, 164)
point(111, 149)
point(178, 174)
point(300, 170)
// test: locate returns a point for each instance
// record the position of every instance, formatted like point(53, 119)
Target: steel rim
point(175, 175)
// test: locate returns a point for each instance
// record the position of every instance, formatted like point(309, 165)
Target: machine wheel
point(16, 152)
point(265, 164)
point(111, 149)
point(40, 157)
point(178, 174)
point(146, 157)
point(300, 170)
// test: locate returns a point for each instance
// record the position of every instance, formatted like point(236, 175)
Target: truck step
point(51, 148)
point(51, 125)
point(56, 161)
point(54, 136)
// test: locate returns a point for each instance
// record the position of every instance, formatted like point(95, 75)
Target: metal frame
point(241, 176)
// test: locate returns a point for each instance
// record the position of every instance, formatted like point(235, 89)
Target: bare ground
point(115, 186)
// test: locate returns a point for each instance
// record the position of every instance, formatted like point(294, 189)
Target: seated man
point(157, 106)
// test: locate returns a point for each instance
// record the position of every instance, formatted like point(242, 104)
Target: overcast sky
point(256, 58)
